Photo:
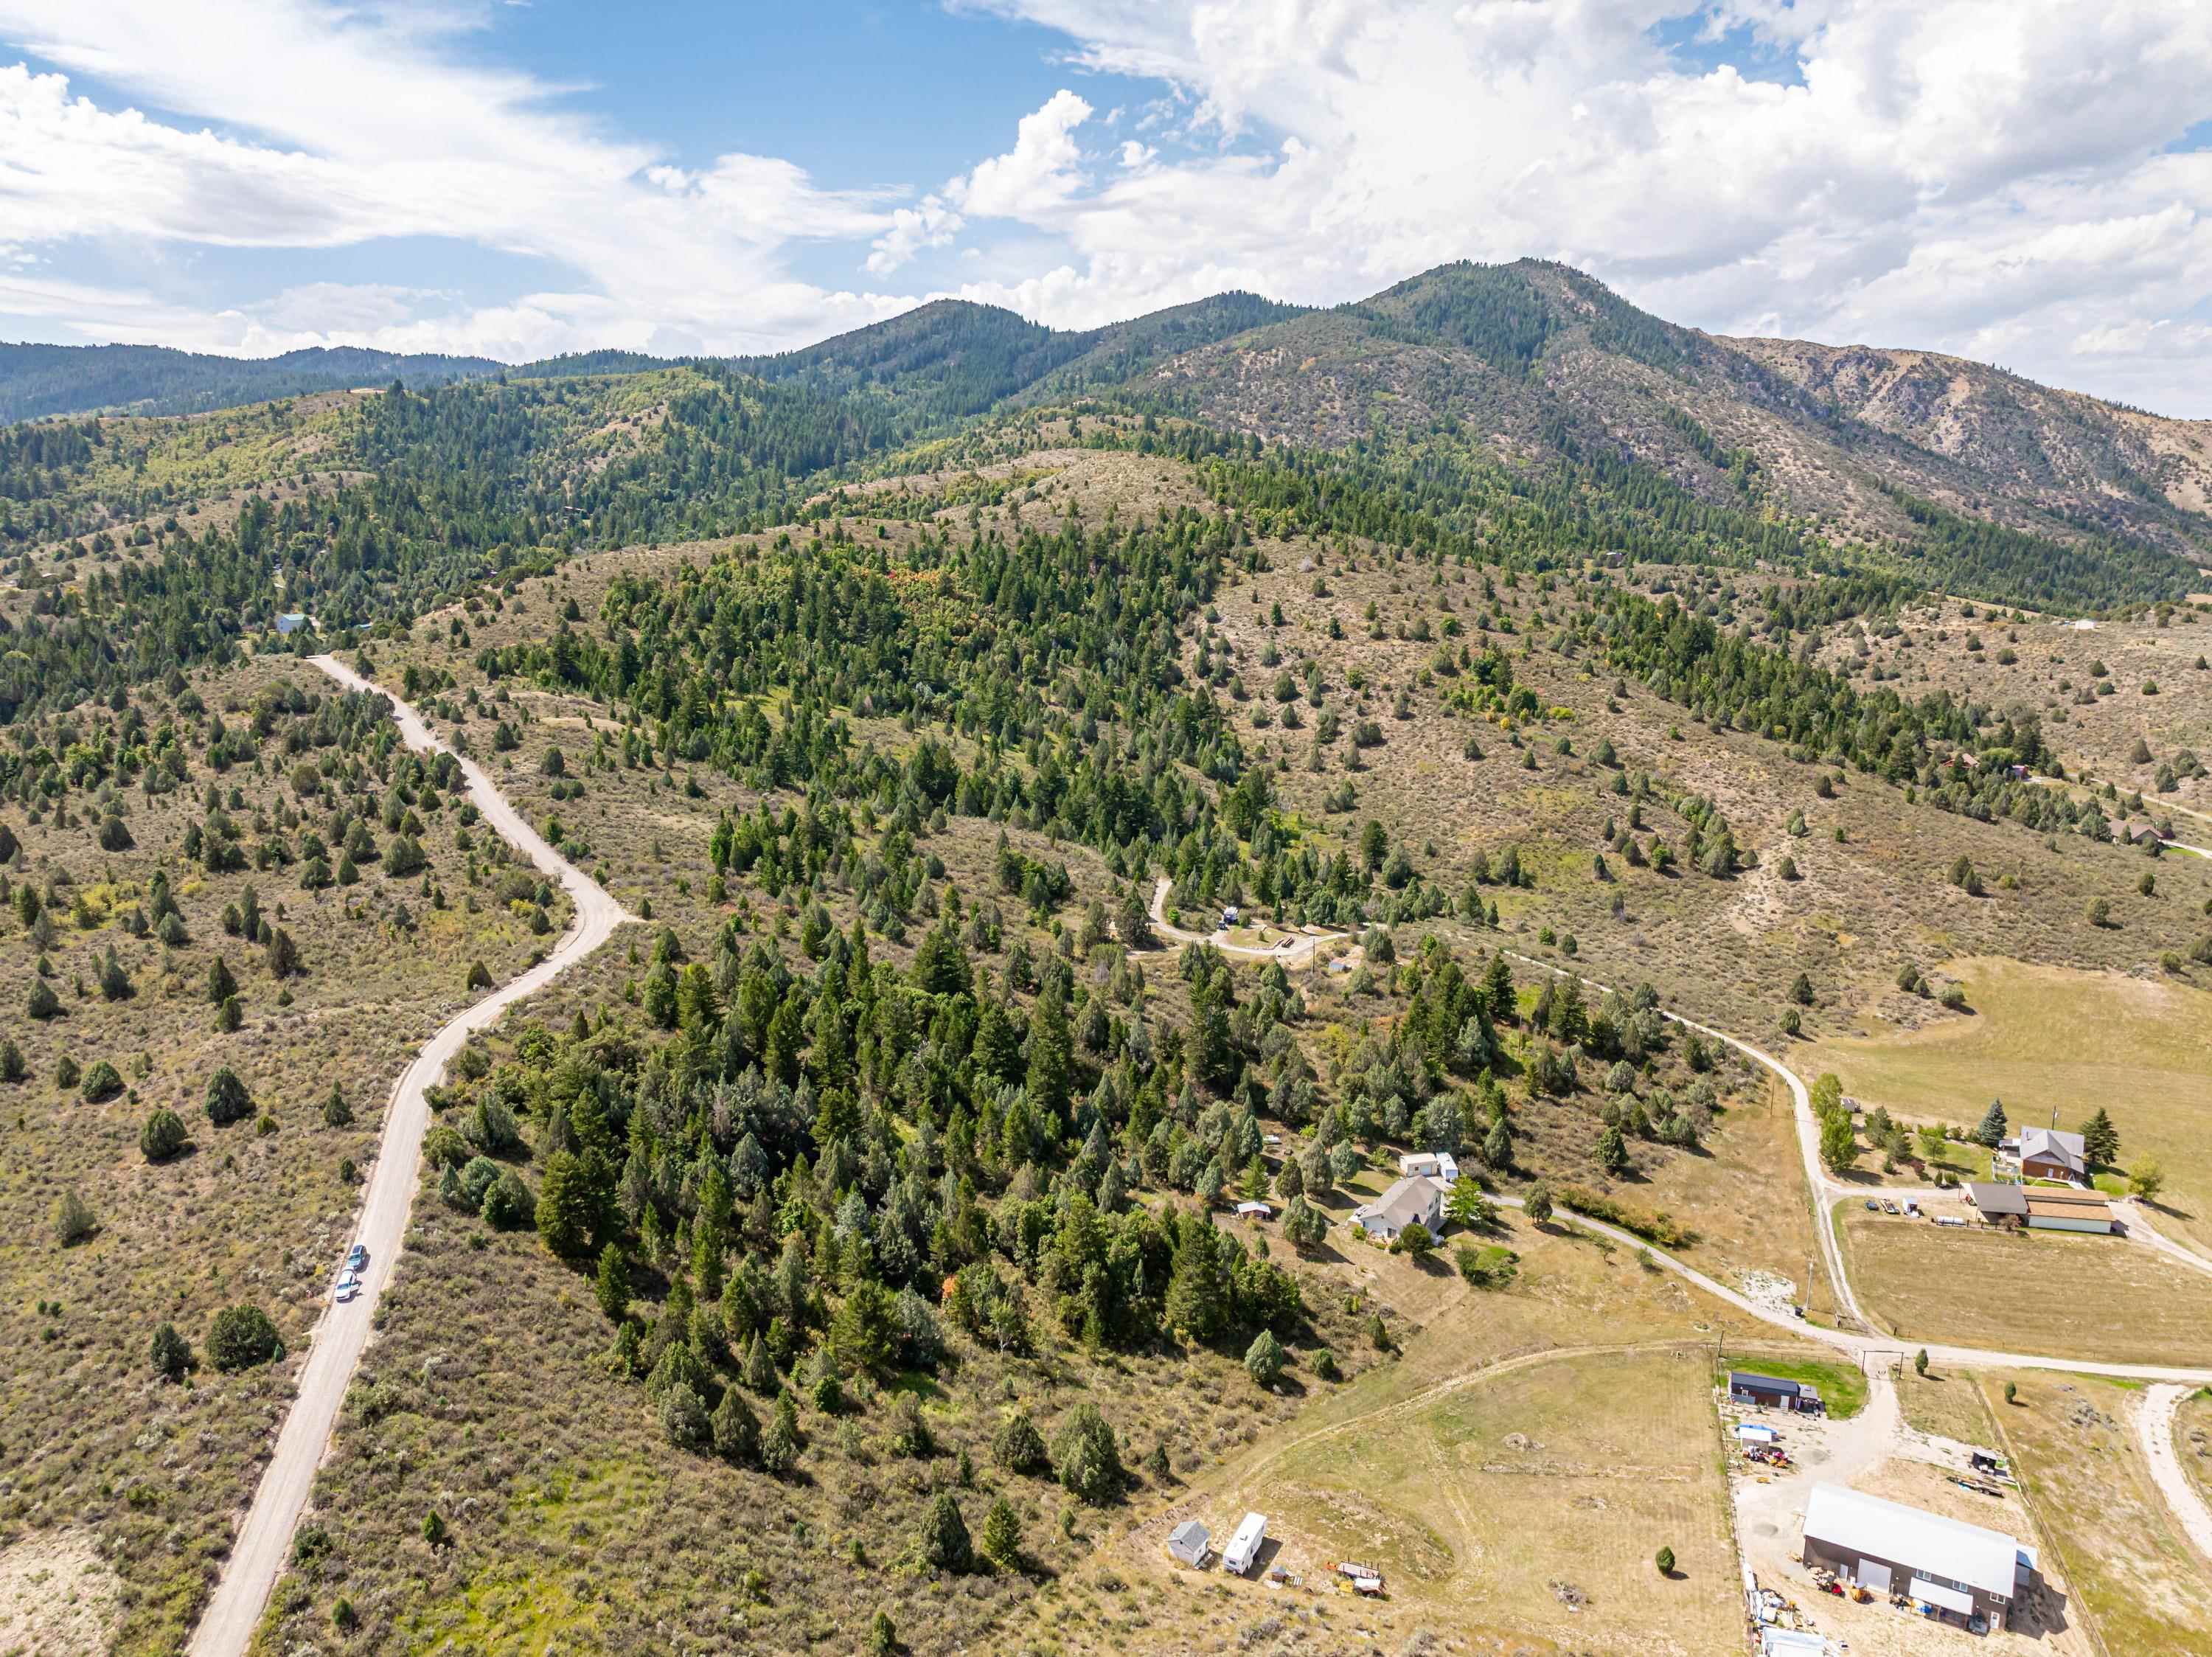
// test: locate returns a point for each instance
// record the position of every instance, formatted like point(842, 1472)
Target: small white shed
point(1255, 1212)
point(1187, 1542)
point(1245, 1547)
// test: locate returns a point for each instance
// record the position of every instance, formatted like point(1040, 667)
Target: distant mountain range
point(36, 380)
point(1529, 364)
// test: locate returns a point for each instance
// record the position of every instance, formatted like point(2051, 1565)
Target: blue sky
point(2027, 181)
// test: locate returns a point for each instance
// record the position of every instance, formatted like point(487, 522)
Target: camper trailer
point(1245, 1547)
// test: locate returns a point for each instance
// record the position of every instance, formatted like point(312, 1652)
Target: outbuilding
point(1244, 1546)
point(1255, 1212)
point(1430, 1165)
point(1187, 1543)
point(1961, 1571)
point(2049, 1208)
point(1997, 1202)
point(1773, 1392)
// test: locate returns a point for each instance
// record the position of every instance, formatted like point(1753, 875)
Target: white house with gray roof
point(1415, 1199)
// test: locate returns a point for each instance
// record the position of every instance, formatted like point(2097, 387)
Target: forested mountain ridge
point(1907, 455)
point(37, 380)
point(951, 358)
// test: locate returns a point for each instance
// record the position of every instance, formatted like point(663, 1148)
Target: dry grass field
point(96, 1447)
point(2045, 1039)
point(1548, 1484)
point(2135, 1576)
point(1946, 1402)
point(2107, 1298)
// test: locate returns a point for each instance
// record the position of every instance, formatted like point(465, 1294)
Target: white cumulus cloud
point(2000, 178)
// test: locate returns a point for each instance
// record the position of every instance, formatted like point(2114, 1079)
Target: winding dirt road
point(257, 1556)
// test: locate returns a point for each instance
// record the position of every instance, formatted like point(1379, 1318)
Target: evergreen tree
point(1304, 1226)
point(1991, 1131)
point(760, 1367)
point(737, 1430)
point(1612, 1151)
point(1086, 1457)
point(1017, 1445)
point(943, 1543)
point(242, 1337)
point(1002, 1534)
point(2101, 1139)
point(228, 1099)
point(683, 1418)
point(172, 1354)
point(1264, 1359)
point(162, 1136)
point(611, 1283)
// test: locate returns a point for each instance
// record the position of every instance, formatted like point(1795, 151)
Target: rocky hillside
point(1533, 360)
point(1970, 412)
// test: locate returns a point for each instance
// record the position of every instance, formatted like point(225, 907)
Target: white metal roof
point(1791, 1642)
point(1854, 1522)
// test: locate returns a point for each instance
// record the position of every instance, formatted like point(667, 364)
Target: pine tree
point(760, 1367)
point(611, 1283)
point(2101, 1139)
point(943, 1543)
point(1992, 1131)
point(1264, 1359)
point(736, 1429)
point(1002, 1534)
point(1017, 1445)
point(171, 1353)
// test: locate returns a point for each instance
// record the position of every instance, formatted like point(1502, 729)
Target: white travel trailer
point(1245, 1547)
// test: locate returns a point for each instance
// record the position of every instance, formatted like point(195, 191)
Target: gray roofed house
point(2052, 1154)
point(1415, 1198)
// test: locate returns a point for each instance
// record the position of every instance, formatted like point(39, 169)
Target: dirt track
point(2154, 1426)
point(257, 1554)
